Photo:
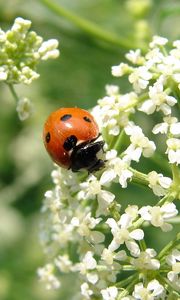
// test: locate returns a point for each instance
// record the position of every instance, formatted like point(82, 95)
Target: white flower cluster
point(173, 260)
point(90, 233)
point(20, 52)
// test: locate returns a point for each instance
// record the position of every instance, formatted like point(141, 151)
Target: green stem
point(126, 281)
point(168, 198)
point(89, 27)
point(176, 174)
point(142, 245)
point(128, 289)
point(114, 211)
point(128, 268)
point(169, 286)
point(13, 92)
point(144, 96)
point(139, 177)
point(118, 142)
point(169, 246)
point(137, 223)
point(174, 220)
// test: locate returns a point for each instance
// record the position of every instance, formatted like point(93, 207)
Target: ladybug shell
point(64, 123)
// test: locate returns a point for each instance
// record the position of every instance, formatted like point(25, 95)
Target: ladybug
point(70, 136)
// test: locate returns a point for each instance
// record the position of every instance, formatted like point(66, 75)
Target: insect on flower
point(70, 137)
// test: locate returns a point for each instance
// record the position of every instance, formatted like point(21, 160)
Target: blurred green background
point(76, 78)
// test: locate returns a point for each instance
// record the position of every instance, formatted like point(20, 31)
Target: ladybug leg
point(97, 166)
point(84, 157)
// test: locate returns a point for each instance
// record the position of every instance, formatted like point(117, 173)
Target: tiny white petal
point(107, 176)
point(92, 277)
point(133, 248)
point(106, 196)
point(166, 227)
point(75, 221)
point(148, 107)
point(160, 128)
point(175, 128)
point(120, 255)
point(97, 237)
point(112, 223)
point(156, 287)
point(137, 234)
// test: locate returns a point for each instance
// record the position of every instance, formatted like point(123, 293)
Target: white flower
point(3, 73)
point(158, 41)
point(91, 189)
point(87, 267)
point(108, 256)
point(46, 275)
point(173, 150)
point(153, 57)
point(85, 224)
point(112, 111)
point(52, 201)
point(122, 235)
point(110, 293)
point(117, 170)
point(177, 44)
point(170, 66)
point(153, 290)
point(106, 246)
point(63, 232)
point(146, 260)
point(175, 129)
point(132, 211)
point(92, 277)
point(24, 108)
point(140, 77)
point(174, 276)
point(63, 263)
point(65, 180)
point(139, 143)
point(170, 124)
point(158, 99)
point(88, 263)
point(86, 291)
point(173, 258)
point(158, 183)
point(135, 56)
point(159, 215)
point(107, 113)
point(112, 90)
point(120, 70)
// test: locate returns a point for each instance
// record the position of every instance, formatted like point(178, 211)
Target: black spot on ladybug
point(87, 119)
point(48, 137)
point(66, 117)
point(70, 142)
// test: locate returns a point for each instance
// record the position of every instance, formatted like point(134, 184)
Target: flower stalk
point(89, 27)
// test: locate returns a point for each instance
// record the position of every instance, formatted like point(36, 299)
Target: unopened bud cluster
point(20, 52)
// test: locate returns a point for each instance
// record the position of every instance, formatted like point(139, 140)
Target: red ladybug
point(70, 139)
